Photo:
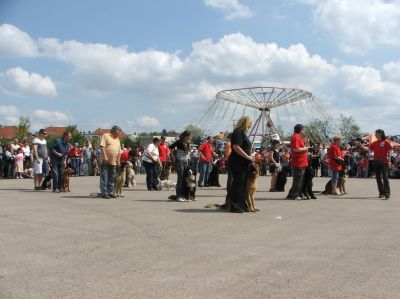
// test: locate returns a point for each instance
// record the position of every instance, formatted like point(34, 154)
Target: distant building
point(8, 132)
point(55, 131)
point(98, 133)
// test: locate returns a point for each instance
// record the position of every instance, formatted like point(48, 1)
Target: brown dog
point(120, 180)
point(65, 183)
point(251, 185)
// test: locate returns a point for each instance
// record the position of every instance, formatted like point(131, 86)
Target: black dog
point(189, 185)
point(308, 184)
point(281, 181)
point(213, 179)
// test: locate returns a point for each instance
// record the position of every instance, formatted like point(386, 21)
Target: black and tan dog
point(251, 186)
point(189, 185)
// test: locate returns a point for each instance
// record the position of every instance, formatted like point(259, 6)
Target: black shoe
point(106, 196)
point(207, 186)
point(387, 196)
point(313, 197)
point(113, 196)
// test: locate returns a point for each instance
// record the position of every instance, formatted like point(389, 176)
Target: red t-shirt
point(299, 159)
point(207, 151)
point(74, 152)
point(335, 152)
point(125, 156)
point(381, 149)
point(163, 151)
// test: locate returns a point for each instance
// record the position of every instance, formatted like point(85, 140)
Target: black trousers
point(151, 175)
point(237, 191)
point(382, 178)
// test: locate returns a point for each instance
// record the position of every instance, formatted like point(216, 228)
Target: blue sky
point(148, 65)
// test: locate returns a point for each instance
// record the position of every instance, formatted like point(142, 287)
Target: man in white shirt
point(39, 152)
point(150, 162)
point(321, 155)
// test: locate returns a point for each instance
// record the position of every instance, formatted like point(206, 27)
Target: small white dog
point(130, 175)
point(167, 184)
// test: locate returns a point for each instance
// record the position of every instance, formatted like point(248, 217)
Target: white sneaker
point(180, 199)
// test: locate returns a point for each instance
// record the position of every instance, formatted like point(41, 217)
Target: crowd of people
point(356, 158)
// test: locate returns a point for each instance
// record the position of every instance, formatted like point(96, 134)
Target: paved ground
point(73, 246)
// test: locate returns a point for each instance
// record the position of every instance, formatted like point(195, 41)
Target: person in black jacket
point(238, 163)
point(58, 158)
point(182, 146)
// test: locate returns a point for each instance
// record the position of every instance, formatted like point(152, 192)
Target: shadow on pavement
point(204, 210)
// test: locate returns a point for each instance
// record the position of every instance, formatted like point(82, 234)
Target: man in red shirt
point(299, 162)
point(206, 152)
point(163, 151)
point(335, 159)
point(382, 162)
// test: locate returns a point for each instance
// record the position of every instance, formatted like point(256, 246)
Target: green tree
point(77, 137)
point(348, 127)
point(319, 130)
point(197, 133)
point(23, 127)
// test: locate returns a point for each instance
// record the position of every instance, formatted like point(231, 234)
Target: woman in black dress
point(238, 162)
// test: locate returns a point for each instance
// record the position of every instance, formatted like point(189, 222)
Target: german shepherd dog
point(189, 185)
point(120, 179)
point(253, 172)
point(65, 180)
point(251, 186)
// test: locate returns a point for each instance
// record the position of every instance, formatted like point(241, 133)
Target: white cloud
point(20, 82)
point(182, 85)
point(360, 25)
point(233, 9)
point(50, 116)
point(14, 42)
point(148, 122)
point(8, 110)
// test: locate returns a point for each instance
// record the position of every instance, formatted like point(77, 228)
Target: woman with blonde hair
point(238, 163)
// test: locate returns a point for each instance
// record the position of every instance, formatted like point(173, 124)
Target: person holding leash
point(382, 162)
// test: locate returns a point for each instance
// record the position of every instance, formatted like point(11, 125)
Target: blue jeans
point(205, 169)
point(75, 166)
point(335, 177)
point(151, 175)
point(57, 173)
point(181, 168)
point(107, 179)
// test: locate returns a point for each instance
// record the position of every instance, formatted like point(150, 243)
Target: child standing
point(19, 163)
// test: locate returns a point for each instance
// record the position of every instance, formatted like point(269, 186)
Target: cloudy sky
point(148, 65)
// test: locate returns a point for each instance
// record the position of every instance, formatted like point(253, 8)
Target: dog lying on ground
point(65, 181)
point(251, 186)
point(120, 179)
point(130, 175)
point(189, 185)
point(167, 184)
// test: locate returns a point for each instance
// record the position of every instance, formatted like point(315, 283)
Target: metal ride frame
point(263, 99)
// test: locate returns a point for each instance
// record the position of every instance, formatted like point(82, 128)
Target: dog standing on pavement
point(120, 179)
point(65, 179)
point(251, 185)
point(130, 175)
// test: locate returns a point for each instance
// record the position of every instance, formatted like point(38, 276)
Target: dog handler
point(335, 159)
point(58, 158)
point(182, 146)
point(109, 159)
point(238, 163)
point(382, 162)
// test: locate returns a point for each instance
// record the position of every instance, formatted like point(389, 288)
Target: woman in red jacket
point(382, 155)
point(335, 163)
